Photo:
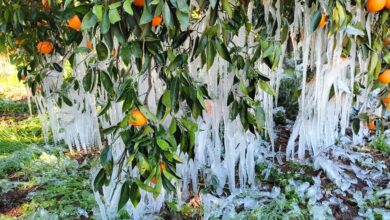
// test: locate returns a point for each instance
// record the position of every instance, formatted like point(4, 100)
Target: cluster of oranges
point(374, 6)
point(163, 167)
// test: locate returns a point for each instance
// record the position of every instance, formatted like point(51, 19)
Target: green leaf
point(265, 86)
point(315, 20)
point(57, 67)
point(184, 19)
point(99, 180)
point(227, 8)
point(87, 81)
point(125, 194)
point(167, 15)
point(105, 156)
point(89, 21)
point(175, 88)
point(98, 11)
point(135, 194)
point(148, 114)
point(102, 51)
point(105, 109)
point(163, 144)
point(199, 96)
point(144, 186)
point(67, 2)
point(166, 98)
point(213, 3)
point(115, 5)
point(106, 81)
point(386, 57)
point(183, 6)
point(146, 17)
point(356, 125)
point(143, 164)
point(67, 100)
point(105, 26)
point(210, 54)
point(114, 15)
point(109, 130)
point(127, 7)
point(222, 50)
point(260, 117)
point(125, 54)
point(180, 39)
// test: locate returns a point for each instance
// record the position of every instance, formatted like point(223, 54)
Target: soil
point(83, 155)
point(10, 202)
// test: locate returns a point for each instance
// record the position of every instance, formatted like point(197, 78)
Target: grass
point(60, 185)
point(380, 143)
point(19, 134)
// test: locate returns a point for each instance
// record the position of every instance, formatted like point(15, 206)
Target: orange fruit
point(386, 40)
point(113, 53)
point(162, 166)
point(156, 21)
point(385, 76)
point(209, 106)
point(344, 58)
point(24, 77)
point(75, 23)
point(374, 6)
point(45, 47)
point(371, 125)
point(46, 4)
point(386, 101)
point(88, 45)
point(139, 3)
point(154, 180)
point(323, 21)
point(137, 118)
point(388, 4)
point(42, 23)
point(19, 42)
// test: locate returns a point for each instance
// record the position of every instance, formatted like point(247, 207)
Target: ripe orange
point(46, 4)
point(42, 23)
point(162, 166)
point(154, 180)
point(374, 6)
point(137, 118)
point(45, 47)
point(39, 88)
point(386, 101)
point(386, 40)
point(19, 42)
point(388, 4)
point(156, 21)
point(88, 45)
point(385, 76)
point(209, 106)
point(371, 125)
point(139, 3)
point(344, 57)
point(113, 53)
point(324, 20)
point(75, 23)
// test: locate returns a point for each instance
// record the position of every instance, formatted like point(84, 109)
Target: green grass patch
point(380, 144)
point(10, 107)
point(17, 135)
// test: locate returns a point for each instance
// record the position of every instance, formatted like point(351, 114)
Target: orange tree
point(138, 36)
point(150, 36)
